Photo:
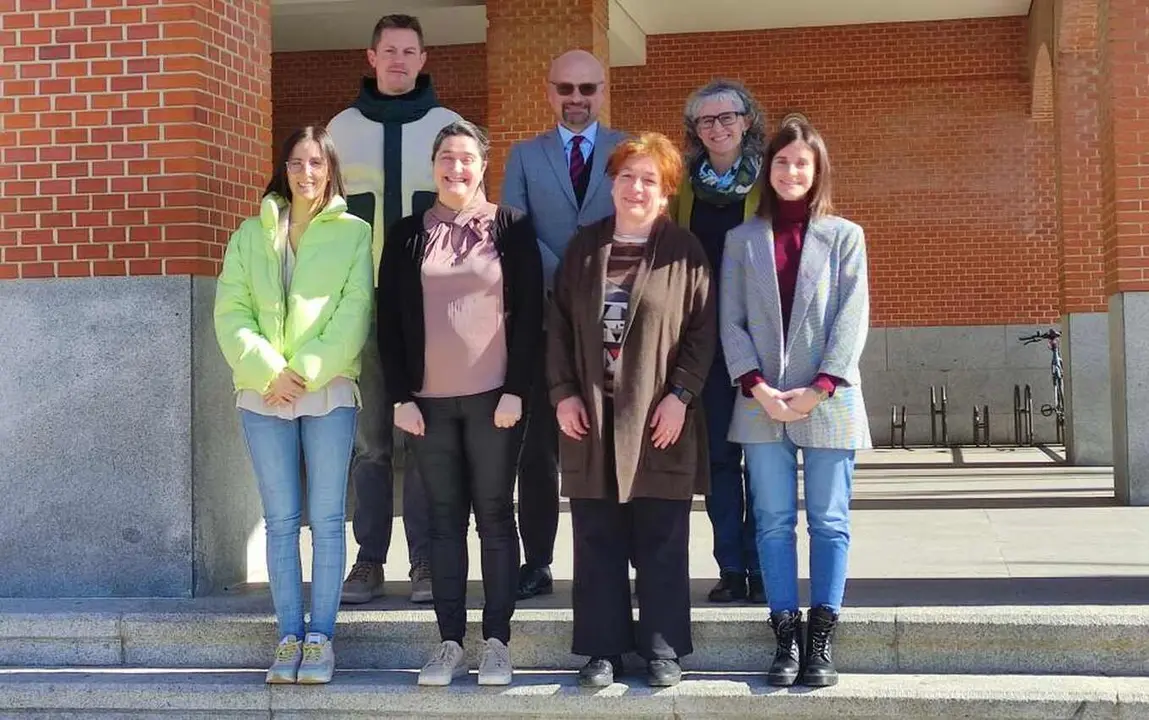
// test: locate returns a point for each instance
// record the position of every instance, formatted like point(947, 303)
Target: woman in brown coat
point(633, 331)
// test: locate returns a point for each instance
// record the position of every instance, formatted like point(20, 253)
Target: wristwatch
point(821, 392)
point(682, 394)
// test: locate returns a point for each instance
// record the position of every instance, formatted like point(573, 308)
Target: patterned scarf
point(728, 188)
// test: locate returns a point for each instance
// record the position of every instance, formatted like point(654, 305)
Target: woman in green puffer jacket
point(292, 307)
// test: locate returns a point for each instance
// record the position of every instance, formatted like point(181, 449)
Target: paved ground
point(938, 527)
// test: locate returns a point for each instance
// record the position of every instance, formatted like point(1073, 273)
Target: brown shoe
point(363, 583)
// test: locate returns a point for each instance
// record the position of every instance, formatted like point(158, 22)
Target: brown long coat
point(669, 340)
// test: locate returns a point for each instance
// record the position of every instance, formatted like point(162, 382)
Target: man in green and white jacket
point(384, 143)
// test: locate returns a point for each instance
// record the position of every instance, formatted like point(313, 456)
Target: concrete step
point(219, 694)
point(239, 633)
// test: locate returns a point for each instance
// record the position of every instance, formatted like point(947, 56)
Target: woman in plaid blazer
point(794, 312)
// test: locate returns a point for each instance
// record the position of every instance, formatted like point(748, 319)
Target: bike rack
point(939, 410)
point(899, 425)
point(981, 425)
point(1022, 416)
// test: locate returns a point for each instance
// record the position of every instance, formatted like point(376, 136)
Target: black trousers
point(466, 462)
point(609, 535)
point(539, 475)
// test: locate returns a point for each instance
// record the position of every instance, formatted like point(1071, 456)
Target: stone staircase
point(988, 591)
point(203, 658)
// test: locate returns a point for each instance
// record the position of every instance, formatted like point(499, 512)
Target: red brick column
point(1125, 132)
point(1079, 155)
point(523, 36)
point(135, 134)
point(1083, 303)
point(1124, 86)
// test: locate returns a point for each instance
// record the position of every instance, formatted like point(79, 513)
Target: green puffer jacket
point(318, 326)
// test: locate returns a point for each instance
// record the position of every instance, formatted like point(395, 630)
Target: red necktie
point(578, 164)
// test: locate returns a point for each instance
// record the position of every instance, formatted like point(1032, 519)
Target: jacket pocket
point(573, 454)
point(681, 458)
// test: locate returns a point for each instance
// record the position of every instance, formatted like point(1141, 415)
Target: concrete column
point(1124, 25)
point(136, 136)
point(1088, 408)
point(523, 36)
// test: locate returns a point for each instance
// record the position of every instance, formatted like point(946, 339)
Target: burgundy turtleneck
point(789, 224)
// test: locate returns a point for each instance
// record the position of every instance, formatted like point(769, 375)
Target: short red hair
point(655, 146)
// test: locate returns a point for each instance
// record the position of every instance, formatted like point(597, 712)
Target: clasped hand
point(286, 388)
point(787, 406)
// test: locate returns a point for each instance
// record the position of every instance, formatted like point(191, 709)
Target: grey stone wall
point(978, 365)
point(121, 467)
point(96, 462)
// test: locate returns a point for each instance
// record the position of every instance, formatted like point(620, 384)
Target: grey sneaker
point(363, 583)
point(495, 666)
point(445, 665)
point(318, 660)
point(286, 666)
point(421, 583)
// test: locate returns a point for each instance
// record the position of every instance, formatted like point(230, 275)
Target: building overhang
point(343, 24)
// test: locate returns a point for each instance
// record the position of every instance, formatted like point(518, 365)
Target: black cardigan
point(399, 303)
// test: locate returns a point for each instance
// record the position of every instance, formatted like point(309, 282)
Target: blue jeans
point(274, 445)
point(774, 485)
point(728, 503)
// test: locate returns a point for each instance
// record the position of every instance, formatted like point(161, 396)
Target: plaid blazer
point(828, 326)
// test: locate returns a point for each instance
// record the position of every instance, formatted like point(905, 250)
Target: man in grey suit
point(559, 180)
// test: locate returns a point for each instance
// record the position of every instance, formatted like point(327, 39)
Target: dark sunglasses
point(567, 89)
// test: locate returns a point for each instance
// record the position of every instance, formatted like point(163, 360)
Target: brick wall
point(134, 133)
point(1125, 144)
point(935, 152)
point(309, 88)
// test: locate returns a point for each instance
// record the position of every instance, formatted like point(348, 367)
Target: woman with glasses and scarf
point(726, 139)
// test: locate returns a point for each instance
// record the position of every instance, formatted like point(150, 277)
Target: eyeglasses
point(725, 119)
point(566, 89)
point(296, 166)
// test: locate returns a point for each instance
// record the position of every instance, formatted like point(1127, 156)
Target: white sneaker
point(287, 658)
point(495, 666)
point(318, 660)
point(445, 665)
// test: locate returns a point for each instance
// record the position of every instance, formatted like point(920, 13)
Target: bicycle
point(1057, 373)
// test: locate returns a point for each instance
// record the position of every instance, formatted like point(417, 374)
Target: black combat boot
point(819, 670)
point(731, 587)
point(784, 670)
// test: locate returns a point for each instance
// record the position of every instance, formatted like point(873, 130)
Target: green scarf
point(731, 187)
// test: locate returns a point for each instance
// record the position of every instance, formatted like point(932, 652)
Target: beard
point(576, 113)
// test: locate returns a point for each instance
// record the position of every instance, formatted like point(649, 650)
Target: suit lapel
point(556, 153)
point(762, 261)
point(598, 162)
point(815, 255)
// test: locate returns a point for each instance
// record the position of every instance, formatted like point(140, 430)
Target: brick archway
point(1041, 105)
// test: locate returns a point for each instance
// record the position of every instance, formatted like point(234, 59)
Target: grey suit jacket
point(538, 182)
point(828, 325)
